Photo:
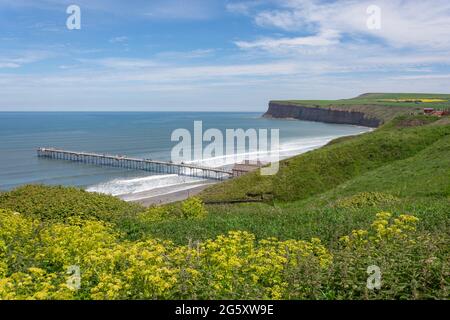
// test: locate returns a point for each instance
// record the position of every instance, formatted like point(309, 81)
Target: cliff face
point(283, 111)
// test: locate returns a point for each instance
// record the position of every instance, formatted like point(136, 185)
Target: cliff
point(321, 114)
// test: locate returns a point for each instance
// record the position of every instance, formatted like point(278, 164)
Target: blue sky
point(216, 55)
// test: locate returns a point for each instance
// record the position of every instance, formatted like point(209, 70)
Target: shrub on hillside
point(153, 214)
point(60, 203)
point(364, 199)
point(232, 266)
point(193, 208)
point(413, 265)
point(189, 209)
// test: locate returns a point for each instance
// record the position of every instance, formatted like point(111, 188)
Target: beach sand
point(164, 195)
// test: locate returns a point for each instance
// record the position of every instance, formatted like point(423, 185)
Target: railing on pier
point(136, 164)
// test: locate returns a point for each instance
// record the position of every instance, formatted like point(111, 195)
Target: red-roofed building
point(433, 112)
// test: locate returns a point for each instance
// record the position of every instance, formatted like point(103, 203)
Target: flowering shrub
point(231, 266)
point(365, 199)
point(400, 251)
point(237, 266)
point(3, 263)
point(34, 284)
point(383, 229)
point(140, 270)
point(35, 257)
point(189, 209)
point(153, 214)
point(58, 203)
point(193, 208)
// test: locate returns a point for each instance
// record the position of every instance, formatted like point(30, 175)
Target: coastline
point(166, 195)
point(148, 198)
point(350, 116)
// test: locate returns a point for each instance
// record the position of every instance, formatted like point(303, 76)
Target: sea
point(136, 134)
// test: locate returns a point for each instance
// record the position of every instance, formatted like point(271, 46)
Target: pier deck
point(125, 162)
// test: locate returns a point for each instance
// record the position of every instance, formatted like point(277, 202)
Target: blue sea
point(143, 135)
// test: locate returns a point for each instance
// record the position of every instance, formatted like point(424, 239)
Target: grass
point(402, 168)
point(376, 105)
point(379, 99)
point(321, 170)
point(61, 203)
point(411, 164)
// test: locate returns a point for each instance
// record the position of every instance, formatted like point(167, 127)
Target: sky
point(217, 55)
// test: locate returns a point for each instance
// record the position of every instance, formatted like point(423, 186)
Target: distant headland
point(369, 109)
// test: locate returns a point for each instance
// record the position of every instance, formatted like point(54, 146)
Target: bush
point(153, 214)
point(364, 199)
point(413, 265)
point(193, 208)
point(59, 203)
point(231, 266)
point(3, 263)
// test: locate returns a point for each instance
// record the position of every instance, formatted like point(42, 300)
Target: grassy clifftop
point(382, 99)
point(383, 106)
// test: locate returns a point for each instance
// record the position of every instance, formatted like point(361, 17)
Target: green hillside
point(381, 198)
point(411, 164)
point(320, 170)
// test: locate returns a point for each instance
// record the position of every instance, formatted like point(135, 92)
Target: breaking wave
point(172, 183)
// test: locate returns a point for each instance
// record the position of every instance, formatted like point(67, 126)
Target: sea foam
point(172, 183)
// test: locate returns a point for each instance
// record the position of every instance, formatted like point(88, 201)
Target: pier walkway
point(125, 162)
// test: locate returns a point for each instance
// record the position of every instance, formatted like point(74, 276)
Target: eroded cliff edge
point(321, 114)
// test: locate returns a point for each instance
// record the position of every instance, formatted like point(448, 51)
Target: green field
point(379, 99)
point(321, 221)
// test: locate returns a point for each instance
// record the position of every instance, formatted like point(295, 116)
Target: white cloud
point(78, 93)
point(193, 54)
point(241, 8)
point(307, 49)
point(413, 23)
point(325, 38)
point(286, 20)
point(8, 65)
point(18, 60)
point(126, 63)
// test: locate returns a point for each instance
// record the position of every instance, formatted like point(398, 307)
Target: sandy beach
point(169, 194)
point(164, 195)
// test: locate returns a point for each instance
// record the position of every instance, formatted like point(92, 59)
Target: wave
point(119, 187)
point(286, 150)
point(172, 183)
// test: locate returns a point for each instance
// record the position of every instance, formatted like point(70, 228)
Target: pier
point(125, 162)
